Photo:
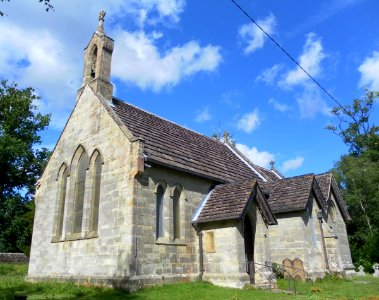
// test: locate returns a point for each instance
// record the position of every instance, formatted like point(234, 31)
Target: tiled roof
point(269, 174)
point(324, 181)
point(291, 194)
point(229, 201)
point(327, 182)
point(171, 145)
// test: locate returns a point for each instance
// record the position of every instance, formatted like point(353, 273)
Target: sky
point(205, 66)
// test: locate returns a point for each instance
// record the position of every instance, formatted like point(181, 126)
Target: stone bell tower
point(97, 62)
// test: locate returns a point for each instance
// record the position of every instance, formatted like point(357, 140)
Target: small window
point(93, 62)
point(159, 212)
point(209, 242)
point(176, 213)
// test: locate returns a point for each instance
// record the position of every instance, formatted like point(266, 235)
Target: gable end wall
point(91, 126)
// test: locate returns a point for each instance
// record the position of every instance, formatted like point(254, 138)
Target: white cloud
point(253, 36)
point(282, 107)
point(292, 164)
point(138, 60)
point(269, 75)
point(47, 56)
point(310, 102)
point(172, 8)
point(203, 115)
point(370, 72)
point(310, 60)
point(249, 121)
point(149, 11)
point(261, 158)
point(40, 60)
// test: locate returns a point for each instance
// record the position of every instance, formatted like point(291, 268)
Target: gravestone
point(298, 269)
point(294, 269)
point(287, 270)
point(361, 271)
point(376, 270)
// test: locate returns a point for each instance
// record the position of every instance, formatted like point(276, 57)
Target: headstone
point(376, 270)
point(298, 269)
point(287, 270)
point(294, 269)
point(361, 271)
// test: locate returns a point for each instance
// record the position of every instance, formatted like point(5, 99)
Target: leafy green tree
point(47, 4)
point(358, 175)
point(354, 125)
point(21, 163)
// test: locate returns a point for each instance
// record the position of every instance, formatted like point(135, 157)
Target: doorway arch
point(249, 237)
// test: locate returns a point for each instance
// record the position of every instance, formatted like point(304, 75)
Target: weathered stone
point(361, 271)
point(124, 248)
point(376, 270)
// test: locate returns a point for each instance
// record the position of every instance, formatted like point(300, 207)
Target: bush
point(277, 269)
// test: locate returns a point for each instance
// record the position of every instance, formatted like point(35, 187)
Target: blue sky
point(203, 65)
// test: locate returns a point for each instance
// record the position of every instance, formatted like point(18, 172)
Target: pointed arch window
point(93, 62)
point(61, 199)
point(159, 212)
point(176, 213)
point(95, 165)
point(79, 189)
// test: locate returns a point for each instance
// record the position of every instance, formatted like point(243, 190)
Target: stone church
point(130, 199)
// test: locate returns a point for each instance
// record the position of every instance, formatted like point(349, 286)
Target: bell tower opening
point(97, 62)
point(93, 62)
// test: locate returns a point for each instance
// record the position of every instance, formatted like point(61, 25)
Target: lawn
point(12, 282)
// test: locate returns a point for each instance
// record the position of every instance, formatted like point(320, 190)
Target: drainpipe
point(201, 253)
point(319, 216)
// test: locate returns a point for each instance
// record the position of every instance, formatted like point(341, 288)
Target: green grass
point(12, 282)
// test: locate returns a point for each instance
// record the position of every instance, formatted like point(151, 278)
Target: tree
point(21, 163)
point(358, 175)
point(354, 126)
point(47, 4)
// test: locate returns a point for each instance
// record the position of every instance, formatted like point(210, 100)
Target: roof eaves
point(217, 219)
point(249, 200)
point(319, 197)
point(265, 209)
point(185, 170)
point(289, 210)
point(340, 202)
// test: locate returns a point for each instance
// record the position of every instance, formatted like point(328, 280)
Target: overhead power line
point(289, 55)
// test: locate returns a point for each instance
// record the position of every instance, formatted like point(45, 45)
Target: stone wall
point(298, 235)
point(226, 265)
point(106, 254)
point(13, 258)
point(336, 240)
point(164, 259)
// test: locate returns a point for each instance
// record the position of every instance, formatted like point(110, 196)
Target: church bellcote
point(97, 62)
